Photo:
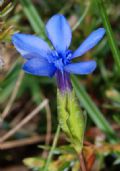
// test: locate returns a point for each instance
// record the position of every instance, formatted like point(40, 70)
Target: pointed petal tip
point(101, 30)
point(15, 38)
point(94, 65)
point(57, 15)
point(15, 35)
point(90, 68)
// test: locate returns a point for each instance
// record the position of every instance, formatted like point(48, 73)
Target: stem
point(52, 148)
point(83, 166)
point(111, 39)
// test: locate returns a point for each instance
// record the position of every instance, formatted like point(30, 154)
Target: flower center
point(63, 78)
point(61, 59)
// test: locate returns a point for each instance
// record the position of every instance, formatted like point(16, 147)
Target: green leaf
point(65, 149)
point(34, 162)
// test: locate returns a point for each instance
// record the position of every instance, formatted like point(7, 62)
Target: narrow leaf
point(110, 35)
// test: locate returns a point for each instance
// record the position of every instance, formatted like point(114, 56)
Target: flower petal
point(81, 68)
point(39, 67)
point(89, 43)
point(26, 43)
point(59, 32)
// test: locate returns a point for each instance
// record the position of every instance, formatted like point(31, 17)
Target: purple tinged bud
point(63, 81)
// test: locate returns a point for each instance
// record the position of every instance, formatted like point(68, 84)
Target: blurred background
point(24, 124)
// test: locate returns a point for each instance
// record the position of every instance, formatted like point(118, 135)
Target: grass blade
point(110, 35)
point(33, 17)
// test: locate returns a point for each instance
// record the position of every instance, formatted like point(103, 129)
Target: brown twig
point(20, 115)
point(83, 166)
point(17, 119)
point(24, 121)
point(27, 141)
point(13, 96)
point(48, 117)
point(48, 128)
point(19, 143)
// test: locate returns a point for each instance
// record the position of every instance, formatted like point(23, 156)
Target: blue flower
point(41, 60)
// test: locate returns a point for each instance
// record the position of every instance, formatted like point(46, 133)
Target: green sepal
point(71, 118)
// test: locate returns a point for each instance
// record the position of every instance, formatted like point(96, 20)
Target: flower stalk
point(42, 60)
